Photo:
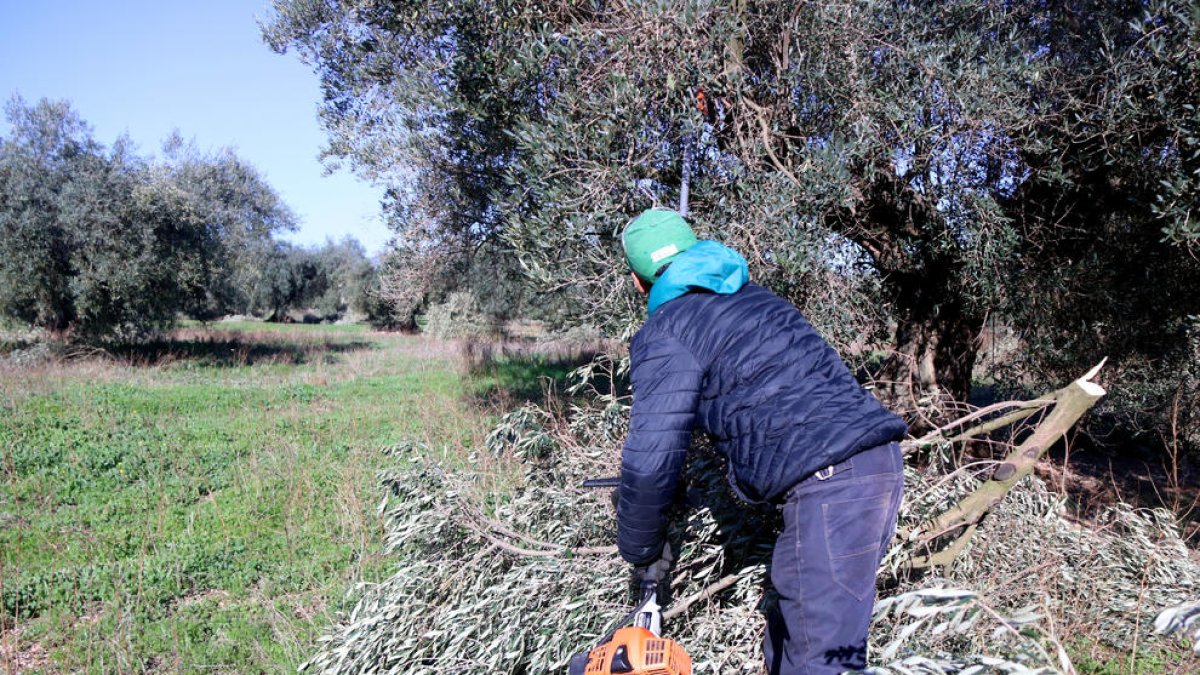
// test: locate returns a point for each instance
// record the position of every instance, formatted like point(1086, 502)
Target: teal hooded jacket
point(707, 266)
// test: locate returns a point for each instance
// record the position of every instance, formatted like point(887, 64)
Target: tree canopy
point(99, 242)
point(902, 171)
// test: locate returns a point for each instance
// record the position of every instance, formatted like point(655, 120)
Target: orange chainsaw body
point(637, 651)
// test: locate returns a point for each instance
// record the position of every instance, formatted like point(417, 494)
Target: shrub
point(460, 316)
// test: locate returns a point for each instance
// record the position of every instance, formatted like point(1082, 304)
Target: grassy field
point(204, 504)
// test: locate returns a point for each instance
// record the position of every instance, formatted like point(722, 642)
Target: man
point(738, 361)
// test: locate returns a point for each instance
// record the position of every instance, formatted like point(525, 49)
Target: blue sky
point(147, 67)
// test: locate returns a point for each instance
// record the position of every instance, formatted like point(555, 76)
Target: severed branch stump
point(1070, 403)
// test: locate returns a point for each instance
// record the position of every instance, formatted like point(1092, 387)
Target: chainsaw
point(635, 645)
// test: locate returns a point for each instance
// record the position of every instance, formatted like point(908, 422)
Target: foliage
point(417, 275)
point(1118, 280)
point(947, 613)
point(348, 276)
point(1150, 121)
point(1031, 552)
point(947, 146)
point(421, 98)
point(242, 212)
point(103, 243)
point(331, 281)
point(369, 301)
point(205, 501)
point(1180, 618)
point(460, 316)
point(900, 171)
point(518, 582)
point(107, 244)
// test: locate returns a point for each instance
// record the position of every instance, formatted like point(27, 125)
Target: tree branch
point(1027, 409)
point(705, 593)
point(1071, 402)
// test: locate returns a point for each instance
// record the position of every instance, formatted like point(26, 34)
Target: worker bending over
point(796, 428)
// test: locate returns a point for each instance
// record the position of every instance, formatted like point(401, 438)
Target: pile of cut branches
point(517, 583)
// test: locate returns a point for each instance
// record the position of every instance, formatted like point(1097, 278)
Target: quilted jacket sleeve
point(666, 388)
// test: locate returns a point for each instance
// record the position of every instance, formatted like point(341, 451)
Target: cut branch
point(557, 551)
point(501, 529)
point(1071, 402)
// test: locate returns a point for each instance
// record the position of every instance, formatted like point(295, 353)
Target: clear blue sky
point(146, 67)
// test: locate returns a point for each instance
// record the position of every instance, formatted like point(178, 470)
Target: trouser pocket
point(855, 532)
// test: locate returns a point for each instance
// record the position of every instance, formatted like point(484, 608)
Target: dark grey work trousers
point(837, 525)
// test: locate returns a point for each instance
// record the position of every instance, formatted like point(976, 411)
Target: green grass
point(529, 378)
point(1092, 659)
point(288, 328)
point(204, 505)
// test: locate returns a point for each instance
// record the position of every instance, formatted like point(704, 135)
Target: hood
point(706, 266)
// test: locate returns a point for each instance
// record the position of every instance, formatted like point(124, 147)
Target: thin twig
point(1013, 578)
point(703, 594)
point(1025, 409)
point(1013, 629)
point(530, 553)
point(500, 528)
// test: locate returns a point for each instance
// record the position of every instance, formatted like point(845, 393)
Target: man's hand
point(653, 574)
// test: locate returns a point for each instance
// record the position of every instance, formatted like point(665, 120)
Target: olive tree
point(421, 97)
point(902, 171)
point(99, 242)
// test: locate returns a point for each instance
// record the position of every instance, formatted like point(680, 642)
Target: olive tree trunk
point(935, 347)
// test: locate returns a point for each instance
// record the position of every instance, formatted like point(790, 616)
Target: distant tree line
point(101, 243)
point(905, 172)
point(286, 282)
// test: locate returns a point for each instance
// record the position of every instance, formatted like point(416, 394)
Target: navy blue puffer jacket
point(748, 368)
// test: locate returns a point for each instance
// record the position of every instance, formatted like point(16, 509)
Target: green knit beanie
point(653, 239)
